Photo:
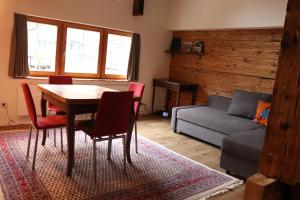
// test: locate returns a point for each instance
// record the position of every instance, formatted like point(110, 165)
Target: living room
point(231, 51)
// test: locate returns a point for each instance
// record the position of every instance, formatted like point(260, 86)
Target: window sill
point(79, 79)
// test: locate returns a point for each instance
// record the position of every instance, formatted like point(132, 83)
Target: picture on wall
point(186, 47)
point(198, 47)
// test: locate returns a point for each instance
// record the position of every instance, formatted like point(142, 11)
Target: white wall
point(220, 14)
point(108, 13)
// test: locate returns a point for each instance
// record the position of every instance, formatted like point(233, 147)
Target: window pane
point(118, 49)
point(41, 46)
point(82, 51)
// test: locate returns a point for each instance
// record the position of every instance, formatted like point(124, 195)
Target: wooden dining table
point(74, 100)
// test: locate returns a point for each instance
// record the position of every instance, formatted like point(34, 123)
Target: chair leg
point(109, 148)
point(29, 140)
point(61, 140)
point(54, 137)
point(94, 160)
point(85, 137)
point(136, 142)
point(35, 149)
point(124, 154)
point(48, 131)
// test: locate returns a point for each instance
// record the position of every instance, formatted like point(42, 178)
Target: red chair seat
point(51, 122)
point(56, 109)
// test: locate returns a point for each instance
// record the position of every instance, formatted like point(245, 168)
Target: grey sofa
point(241, 139)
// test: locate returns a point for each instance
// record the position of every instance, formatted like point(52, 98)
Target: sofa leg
point(228, 172)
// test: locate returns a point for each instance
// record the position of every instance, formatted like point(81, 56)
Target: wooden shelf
point(168, 51)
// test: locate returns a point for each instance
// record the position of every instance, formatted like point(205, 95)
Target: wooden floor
point(158, 129)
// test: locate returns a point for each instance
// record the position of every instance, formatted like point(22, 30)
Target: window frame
point(61, 45)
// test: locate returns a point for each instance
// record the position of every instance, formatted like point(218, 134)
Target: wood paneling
point(233, 59)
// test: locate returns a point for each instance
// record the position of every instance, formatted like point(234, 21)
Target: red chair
point(60, 80)
point(41, 123)
point(112, 122)
point(138, 89)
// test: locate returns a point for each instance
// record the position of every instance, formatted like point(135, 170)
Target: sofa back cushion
point(219, 102)
point(244, 103)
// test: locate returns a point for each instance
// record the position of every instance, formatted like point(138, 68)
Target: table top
point(74, 93)
point(174, 82)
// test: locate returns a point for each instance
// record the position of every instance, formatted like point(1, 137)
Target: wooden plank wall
point(233, 59)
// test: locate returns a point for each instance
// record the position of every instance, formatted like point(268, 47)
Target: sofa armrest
point(174, 115)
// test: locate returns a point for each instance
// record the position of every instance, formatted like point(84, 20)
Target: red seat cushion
point(56, 109)
point(51, 122)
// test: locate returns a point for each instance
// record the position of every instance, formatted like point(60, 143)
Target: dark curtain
point(134, 58)
point(18, 65)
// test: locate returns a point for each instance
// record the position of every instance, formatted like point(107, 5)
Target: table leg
point(44, 113)
point(153, 98)
point(177, 97)
point(70, 140)
point(167, 101)
point(194, 97)
point(129, 134)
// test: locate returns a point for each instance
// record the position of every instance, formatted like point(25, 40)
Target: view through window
point(117, 56)
point(42, 40)
point(82, 51)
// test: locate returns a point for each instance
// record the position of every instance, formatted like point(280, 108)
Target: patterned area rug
point(156, 172)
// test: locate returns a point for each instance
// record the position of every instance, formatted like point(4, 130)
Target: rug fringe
point(223, 191)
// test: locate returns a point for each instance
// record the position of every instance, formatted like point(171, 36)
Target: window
point(117, 55)
point(82, 51)
point(63, 48)
point(42, 40)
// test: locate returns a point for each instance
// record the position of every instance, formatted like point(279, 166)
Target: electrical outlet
point(4, 105)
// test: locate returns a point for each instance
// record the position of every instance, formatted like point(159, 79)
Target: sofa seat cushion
point(247, 145)
point(215, 119)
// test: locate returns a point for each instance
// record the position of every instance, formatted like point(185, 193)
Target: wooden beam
point(281, 152)
point(260, 187)
point(280, 160)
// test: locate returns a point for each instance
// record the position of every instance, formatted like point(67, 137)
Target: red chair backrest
point(29, 103)
point(114, 111)
point(138, 89)
point(60, 80)
point(54, 79)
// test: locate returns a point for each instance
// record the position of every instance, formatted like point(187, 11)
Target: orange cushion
point(262, 112)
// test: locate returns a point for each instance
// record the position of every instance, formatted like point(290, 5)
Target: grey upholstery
point(216, 120)
point(238, 166)
point(218, 102)
point(241, 139)
point(174, 115)
point(244, 103)
point(246, 144)
point(241, 152)
point(200, 132)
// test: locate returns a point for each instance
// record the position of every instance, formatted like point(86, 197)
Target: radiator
point(36, 95)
